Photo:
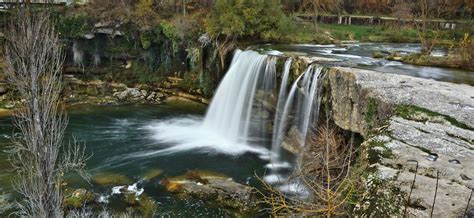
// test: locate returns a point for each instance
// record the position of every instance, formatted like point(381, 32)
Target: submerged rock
point(152, 174)
point(216, 189)
point(79, 198)
point(106, 179)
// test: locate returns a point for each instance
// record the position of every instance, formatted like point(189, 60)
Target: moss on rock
point(107, 179)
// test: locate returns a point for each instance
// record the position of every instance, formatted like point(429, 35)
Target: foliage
point(376, 197)
point(243, 18)
point(74, 26)
point(290, 30)
point(190, 82)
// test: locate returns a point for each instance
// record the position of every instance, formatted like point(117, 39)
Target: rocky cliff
point(415, 126)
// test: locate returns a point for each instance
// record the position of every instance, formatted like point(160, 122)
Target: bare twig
point(468, 202)
point(34, 59)
point(325, 175)
point(436, 192)
point(411, 189)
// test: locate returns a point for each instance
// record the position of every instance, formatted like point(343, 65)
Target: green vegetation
point(244, 18)
point(74, 26)
point(79, 198)
point(377, 197)
point(377, 150)
point(260, 19)
point(452, 61)
point(371, 114)
point(386, 34)
point(408, 112)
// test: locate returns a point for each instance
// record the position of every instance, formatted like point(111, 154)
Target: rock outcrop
point(420, 126)
point(361, 97)
point(135, 95)
point(217, 189)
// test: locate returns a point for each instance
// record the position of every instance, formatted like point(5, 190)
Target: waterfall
point(227, 123)
point(78, 54)
point(302, 104)
point(230, 110)
point(239, 116)
point(277, 131)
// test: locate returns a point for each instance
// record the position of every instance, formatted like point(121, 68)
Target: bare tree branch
point(34, 59)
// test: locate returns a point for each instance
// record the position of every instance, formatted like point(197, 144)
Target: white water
point(230, 109)
point(303, 101)
point(78, 54)
point(234, 119)
point(225, 128)
point(279, 110)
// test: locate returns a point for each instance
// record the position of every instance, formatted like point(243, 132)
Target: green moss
point(106, 179)
point(378, 54)
point(152, 173)
point(407, 112)
point(147, 206)
point(377, 150)
point(79, 198)
point(371, 113)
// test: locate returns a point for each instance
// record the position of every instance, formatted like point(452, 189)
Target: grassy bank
point(450, 61)
point(386, 34)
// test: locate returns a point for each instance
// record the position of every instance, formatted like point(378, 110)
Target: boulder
point(107, 179)
point(217, 189)
point(79, 198)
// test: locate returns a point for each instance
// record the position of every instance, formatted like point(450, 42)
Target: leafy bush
point(244, 18)
point(292, 31)
point(74, 26)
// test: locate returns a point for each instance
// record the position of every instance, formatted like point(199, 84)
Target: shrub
point(244, 18)
point(74, 26)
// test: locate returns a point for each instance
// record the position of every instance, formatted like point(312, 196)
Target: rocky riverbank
point(98, 92)
point(411, 126)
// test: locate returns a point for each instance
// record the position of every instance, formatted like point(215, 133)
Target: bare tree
point(325, 174)
point(34, 59)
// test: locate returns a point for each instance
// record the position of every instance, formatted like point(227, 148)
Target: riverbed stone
point(107, 179)
point(218, 189)
point(79, 198)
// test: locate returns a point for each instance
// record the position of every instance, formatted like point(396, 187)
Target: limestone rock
point(438, 135)
point(362, 96)
point(413, 142)
point(220, 190)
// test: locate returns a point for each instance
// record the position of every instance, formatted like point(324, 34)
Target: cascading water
point(225, 128)
point(230, 110)
point(78, 54)
point(238, 111)
point(302, 103)
point(277, 131)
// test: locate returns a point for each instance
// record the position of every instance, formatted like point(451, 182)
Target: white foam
point(278, 165)
point(187, 134)
point(272, 178)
